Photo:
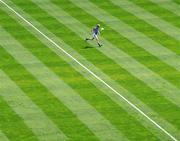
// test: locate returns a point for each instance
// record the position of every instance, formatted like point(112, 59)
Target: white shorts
point(95, 36)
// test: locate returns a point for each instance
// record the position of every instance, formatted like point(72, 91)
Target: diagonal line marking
point(97, 77)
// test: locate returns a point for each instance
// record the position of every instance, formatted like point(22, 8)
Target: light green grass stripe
point(131, 65)
point(97, 83)
point(101, 127)
point(130, 33)
point(2, 135)
point(149, 18)
point(39, 123)
point(169, 5)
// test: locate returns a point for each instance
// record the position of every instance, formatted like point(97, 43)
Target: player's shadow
point(87, 47)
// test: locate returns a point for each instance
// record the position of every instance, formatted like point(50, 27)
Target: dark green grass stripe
point(122, 43)
point(12, 125)
point(101, 102)
point(55, 110)
point(159, 11)
point(176, 1)
point(111, 69)
point(140, 25)
point(33, 117)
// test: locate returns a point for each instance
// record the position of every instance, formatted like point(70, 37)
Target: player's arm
point(99, 32)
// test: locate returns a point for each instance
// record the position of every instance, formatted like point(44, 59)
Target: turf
point(130, 124)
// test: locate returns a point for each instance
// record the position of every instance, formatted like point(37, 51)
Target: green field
point(54, 86)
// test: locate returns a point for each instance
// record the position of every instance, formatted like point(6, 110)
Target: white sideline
point(97, 77)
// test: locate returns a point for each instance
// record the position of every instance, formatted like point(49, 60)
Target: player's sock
point(87, 39)
point(99, 44)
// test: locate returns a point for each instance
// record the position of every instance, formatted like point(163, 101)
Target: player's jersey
point(96, 30)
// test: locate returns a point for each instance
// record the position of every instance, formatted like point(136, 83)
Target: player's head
point(98, 25)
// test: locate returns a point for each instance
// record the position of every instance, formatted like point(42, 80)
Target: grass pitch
point(69, 103)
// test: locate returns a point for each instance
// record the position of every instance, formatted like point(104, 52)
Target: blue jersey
point(96, 30)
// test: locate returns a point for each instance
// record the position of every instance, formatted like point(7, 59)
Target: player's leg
point(89, 39)
point(93, 36)
point(97, 40)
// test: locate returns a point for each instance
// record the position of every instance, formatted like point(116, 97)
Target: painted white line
point(97, 77)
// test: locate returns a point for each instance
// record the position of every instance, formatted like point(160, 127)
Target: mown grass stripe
point(133, 35)
point(159, 11)
point(101, 102)
point(51, 106)
point(149, 18)
point(169, 5)
point(176, 1)
point(140, 25)
point(121, 58)
point(92, 119)
point(42, 127)
point(13, 125)
point(38, 25)
point(3, 136)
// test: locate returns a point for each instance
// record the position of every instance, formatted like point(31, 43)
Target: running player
point(95, 33)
